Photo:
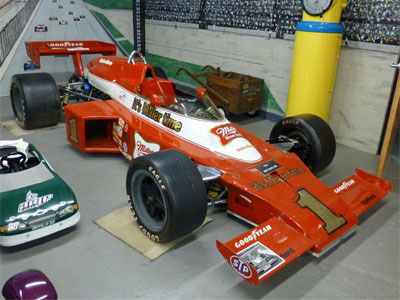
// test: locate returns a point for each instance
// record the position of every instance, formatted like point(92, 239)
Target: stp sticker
point(143, 147)
point(240, 266)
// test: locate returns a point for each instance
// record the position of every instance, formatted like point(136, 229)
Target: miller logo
point(226, 133)
point(33, 201)
point(143, 147)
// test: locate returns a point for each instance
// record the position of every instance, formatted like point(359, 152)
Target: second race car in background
point(40, 28)
point(30, 65)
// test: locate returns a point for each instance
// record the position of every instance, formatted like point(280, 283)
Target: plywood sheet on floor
point(121, 224)
point(16, 130)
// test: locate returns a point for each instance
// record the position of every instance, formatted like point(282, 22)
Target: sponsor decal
point(78, 49)
point(261, 258)
point(143, 147)
point(344, 186)
point(151, 112)
point(125, 147)
point(253, 236)
point(39, 212)
point(13, 226)
point(240, 266)
point(271, 180)
point(115, 130)
point(226, 133)
point(240, 149)
point(121, 122)
point(124, 153)
point(120, 131)
point(48, 223)
point(105, 61)
point(33, 201)
point(287, 253)
point(269, 167)
point(125, 137)
point(65, 44)
point(126, 127)
point(290, 121)
point(368, 199)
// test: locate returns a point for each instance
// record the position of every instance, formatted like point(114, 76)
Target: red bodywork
point(292, 211)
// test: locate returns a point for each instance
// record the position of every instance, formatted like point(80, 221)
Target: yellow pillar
point(315, 59)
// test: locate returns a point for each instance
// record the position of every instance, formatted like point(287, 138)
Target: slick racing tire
point(160, 72)
point(35, 100)
point(316, 142)
point(166, 194)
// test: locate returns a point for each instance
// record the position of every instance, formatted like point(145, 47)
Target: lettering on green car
point(33, 201)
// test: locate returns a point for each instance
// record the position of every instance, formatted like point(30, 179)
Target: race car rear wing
point(63, 48)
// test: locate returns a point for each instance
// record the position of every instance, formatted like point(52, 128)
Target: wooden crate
point(244, 92)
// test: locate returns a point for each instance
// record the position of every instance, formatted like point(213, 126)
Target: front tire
point(166, 194)
point(35, 100)
point(316, 142)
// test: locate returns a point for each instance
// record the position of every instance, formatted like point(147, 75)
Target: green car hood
point(47, 194)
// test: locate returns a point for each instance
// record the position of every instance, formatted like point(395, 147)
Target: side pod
point(90, 126)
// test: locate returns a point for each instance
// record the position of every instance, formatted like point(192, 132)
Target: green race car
point(34, 200)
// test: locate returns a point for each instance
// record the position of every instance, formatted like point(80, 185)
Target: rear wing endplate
point(63, 48)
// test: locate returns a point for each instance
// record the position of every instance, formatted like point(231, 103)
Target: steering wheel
point(14, 160)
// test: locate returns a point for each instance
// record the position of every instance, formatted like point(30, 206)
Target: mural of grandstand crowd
point(374, 21)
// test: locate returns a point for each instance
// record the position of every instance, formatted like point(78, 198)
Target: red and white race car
point(40, 28)
point(186, 155)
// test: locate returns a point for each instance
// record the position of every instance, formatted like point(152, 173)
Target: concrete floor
point(86, 262)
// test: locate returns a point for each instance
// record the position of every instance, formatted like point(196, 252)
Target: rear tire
point(317, 145)
point(35, 100)
point(166, 194)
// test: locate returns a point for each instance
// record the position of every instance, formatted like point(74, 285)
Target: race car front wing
point(263, 250)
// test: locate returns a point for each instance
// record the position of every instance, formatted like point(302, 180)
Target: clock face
point(316, 7)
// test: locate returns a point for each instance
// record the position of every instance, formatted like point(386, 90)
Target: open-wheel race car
point(34, 201)
point(40, 28)
point(30, 65)
point(187, 156)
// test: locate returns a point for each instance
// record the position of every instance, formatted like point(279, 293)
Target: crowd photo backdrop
point(374, 21)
